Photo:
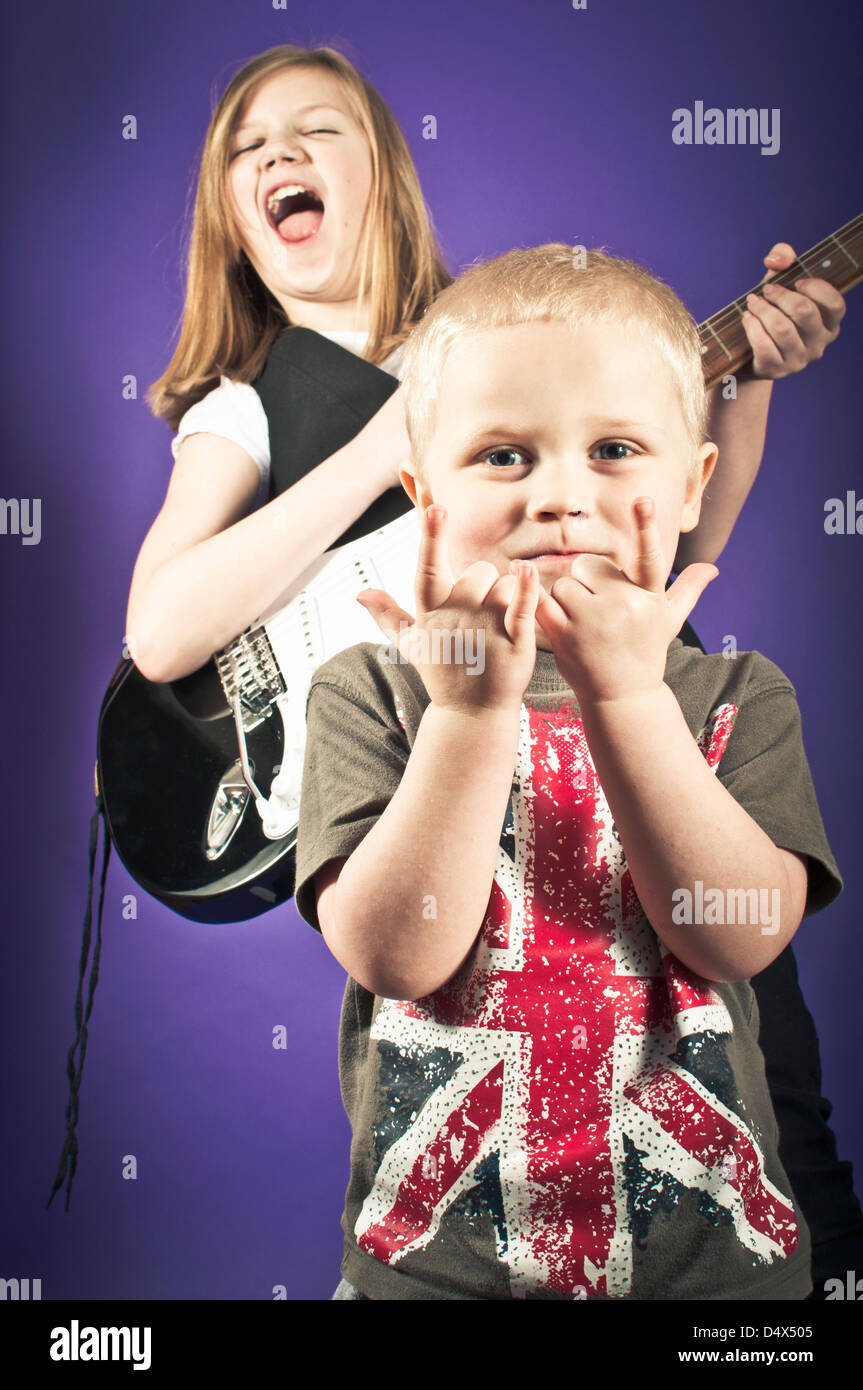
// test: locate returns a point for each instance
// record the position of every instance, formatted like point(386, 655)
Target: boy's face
point(545, 435)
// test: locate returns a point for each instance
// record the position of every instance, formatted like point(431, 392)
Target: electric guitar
point(200, 777)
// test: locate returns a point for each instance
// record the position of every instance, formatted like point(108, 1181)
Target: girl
point(309, 213)
point(357, 262)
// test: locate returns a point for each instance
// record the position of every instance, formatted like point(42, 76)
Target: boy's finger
point(385, 611)
point(687, 589)
point(594, 571)
point(521, 610)
point(648, 568)
point(473, 587)
point(550, 615)
point(434, 579)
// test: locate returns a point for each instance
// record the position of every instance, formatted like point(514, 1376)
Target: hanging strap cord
point(69, 1155)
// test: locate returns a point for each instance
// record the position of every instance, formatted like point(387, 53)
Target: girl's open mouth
point(296, 212)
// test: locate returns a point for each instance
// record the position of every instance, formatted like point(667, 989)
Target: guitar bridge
point(250, 676)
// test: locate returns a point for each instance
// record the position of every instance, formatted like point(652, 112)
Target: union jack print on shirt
point(574, 1073)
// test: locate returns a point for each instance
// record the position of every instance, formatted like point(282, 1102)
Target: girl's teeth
point(289, 191)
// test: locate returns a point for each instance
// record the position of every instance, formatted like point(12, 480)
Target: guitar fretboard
point(838, 259)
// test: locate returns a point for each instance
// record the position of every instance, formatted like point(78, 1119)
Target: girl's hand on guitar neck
point(790, 327)
point(787, 328)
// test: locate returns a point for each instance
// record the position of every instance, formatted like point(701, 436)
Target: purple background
point(553, 124)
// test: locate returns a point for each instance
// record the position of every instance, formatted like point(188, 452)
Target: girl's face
point(297, 138)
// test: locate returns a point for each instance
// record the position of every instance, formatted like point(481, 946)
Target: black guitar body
point(163, 750)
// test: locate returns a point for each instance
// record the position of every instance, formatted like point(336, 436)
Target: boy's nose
point(561, 501)
point(558, 489)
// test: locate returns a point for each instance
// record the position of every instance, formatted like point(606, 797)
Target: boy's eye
point(613, 451)
point(502, 458)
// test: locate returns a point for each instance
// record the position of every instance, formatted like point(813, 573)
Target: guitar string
point(809, 262)
point(730, 315)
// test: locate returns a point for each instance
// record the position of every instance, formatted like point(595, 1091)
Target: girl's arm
point(206, 570)
point(787, 329)
point(738, 427)
point(403, 911)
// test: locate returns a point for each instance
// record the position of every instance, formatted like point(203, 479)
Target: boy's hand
point(789, 328)
point(494, 613)
point(610, 631)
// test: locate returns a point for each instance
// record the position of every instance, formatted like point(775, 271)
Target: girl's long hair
point(230, 318)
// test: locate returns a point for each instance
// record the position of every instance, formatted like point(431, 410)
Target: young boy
point(550, 872)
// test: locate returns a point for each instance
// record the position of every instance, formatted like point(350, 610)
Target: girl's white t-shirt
point(234, 410)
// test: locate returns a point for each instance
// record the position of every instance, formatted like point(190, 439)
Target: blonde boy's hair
point(230, 318)
point(559, 283)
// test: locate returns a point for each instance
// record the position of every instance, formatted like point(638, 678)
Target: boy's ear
point(414, 486)
point(707, 456)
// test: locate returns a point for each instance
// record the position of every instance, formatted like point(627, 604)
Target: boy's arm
point(787, 329)
point(679, 824)
point(410, 899)
point(405, 908)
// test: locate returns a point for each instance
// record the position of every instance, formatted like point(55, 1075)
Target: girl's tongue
point(299, 225)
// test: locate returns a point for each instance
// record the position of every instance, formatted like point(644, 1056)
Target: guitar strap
point(75, 1070)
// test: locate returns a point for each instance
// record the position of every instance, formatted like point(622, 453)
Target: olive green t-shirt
point(575, 1114)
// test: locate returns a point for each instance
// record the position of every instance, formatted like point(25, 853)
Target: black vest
point(317, 397)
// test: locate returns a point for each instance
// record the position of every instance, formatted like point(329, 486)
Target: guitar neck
point(838, 259)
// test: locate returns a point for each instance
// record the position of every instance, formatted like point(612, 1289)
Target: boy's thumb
point(385, 611)
point(687, 590)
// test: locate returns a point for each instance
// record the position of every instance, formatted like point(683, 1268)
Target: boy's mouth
point(294, 211)
point(554, 555)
